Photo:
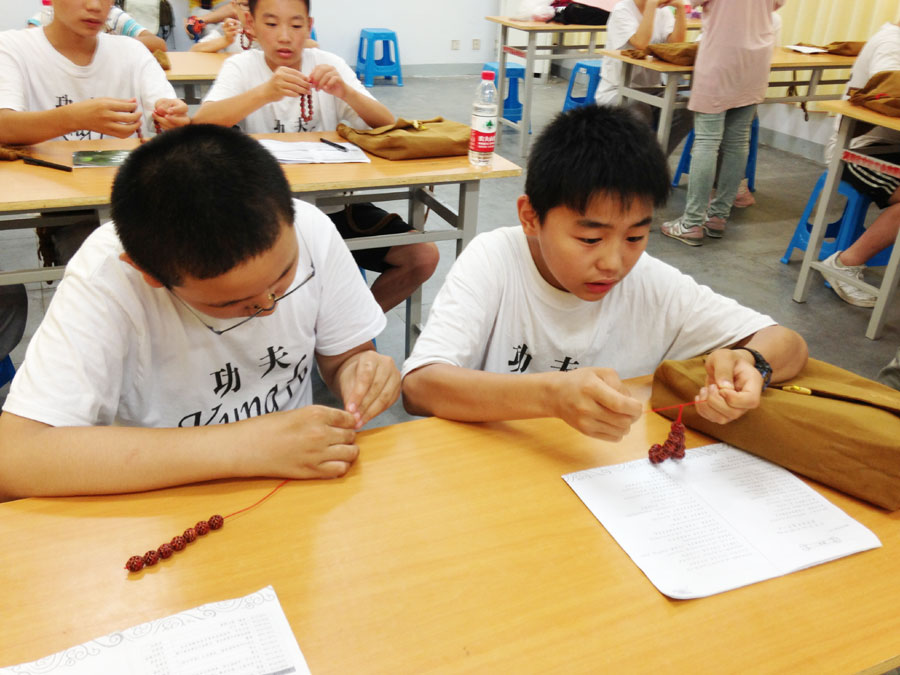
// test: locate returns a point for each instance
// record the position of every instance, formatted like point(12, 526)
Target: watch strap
point(761, 365)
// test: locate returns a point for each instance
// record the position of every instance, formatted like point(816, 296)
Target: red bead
point(151, 557)
point(165, 551)
point(657, 454)
point(216, 522)
point(178, 543)
point(190, 535)
point(135, 564)
point(202, 527)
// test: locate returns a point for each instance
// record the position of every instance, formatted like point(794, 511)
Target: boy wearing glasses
point(179, 345)
point(286, 87)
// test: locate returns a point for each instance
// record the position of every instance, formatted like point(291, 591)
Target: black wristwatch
point(760, 363)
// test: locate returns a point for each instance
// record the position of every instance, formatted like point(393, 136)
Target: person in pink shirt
point(730, 78)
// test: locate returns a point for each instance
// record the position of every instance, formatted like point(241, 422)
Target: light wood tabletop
point(33, 188)
point(194, 66)
point(447, 548)
point(782, 59)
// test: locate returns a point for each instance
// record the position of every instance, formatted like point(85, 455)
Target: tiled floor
point(744, 265)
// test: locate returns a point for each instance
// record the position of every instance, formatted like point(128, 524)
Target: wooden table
point(851, 114)
point(29, 189)
point(447, 548)
point(194, 68)
point(533, 52)
point(678, 77)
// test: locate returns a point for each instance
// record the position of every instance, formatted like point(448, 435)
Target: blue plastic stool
point(842, 232)
point(313, 35)
point(367, 66)
point(512, 106)
point(592, 70)
point(684, 164)
point(7, 371)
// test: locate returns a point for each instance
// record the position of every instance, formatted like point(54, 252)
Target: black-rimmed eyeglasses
point(272, 299)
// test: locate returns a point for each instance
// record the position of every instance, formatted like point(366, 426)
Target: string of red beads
point(673, 447)
point(136, 562)
point(306, 107)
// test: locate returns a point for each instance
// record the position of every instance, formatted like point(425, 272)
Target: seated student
point(634, 24)
point(285, 88)
point(881, 52)
point(13, 315)
point(544, 320)
point(118, 22)
point(69, 81)
point(210, 12)
point(238, 36)
point(180, 343)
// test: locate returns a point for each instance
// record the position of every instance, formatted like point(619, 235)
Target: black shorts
point(877, 186)
point(367, 220)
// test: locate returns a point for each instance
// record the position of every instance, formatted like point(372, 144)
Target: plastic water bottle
point(46, 12)
point(484, 121)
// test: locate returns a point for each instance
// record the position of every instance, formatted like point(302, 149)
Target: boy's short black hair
point(199, 200)
point(591, 150)
point(253, 4)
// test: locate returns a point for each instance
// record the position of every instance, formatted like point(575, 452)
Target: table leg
point(525, 125)
point(501, 78)
point(467, 214)
point(886, 293)
point(667, 111)
point(627, 70)
point(416, 220)
point(801, 290)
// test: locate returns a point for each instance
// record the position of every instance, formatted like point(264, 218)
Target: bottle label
point(484, 131)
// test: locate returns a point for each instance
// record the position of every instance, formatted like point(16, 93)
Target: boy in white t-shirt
point(180, 343)
point(69, 80)
point(118, 22)
point(544, 320)
point(286, 87)
point(634, 24)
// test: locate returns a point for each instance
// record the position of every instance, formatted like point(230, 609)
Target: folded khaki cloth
point(881, 93)
point(843, 48)
point(411, 139)
point(679, 53)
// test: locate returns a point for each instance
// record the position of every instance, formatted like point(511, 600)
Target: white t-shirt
point(34, 76)
point(623, 23)
point(113, 350)
point(242, 72)
point(496, 313)
point(235, 46)
point(881, 52)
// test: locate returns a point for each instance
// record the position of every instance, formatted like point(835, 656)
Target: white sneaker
point(692, 236)
point(847, 292)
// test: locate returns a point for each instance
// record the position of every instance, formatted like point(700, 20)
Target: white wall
point(425, 28)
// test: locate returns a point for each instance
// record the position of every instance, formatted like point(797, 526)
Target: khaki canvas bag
point(411, 139)
point(827, 424)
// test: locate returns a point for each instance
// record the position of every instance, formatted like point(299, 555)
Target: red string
point(272, 492)
point(677, 405)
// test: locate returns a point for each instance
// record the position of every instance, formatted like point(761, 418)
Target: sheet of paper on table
point(806, 49)
point(719, 519)
point(287, 152)
point(248, 635)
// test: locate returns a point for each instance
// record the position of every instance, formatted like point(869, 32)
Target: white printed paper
point(717, 520)
point(244, 636)
point(805, 49)
point(287, 152)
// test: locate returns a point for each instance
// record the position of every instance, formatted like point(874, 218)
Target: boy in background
point(286, 87)
point(179, 345)
point(634, 24)
point(71, 81)
point(118, 22)
point(547, 319)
